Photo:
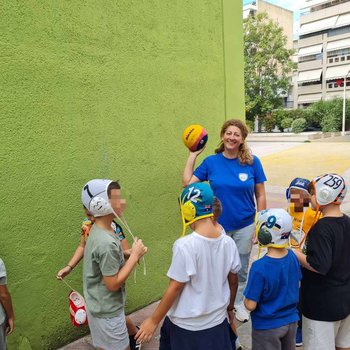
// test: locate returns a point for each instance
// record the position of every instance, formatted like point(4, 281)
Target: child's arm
point(233, 283)
point(250, 304)
point(302, 260)
point(113, 283)
point(125, 245)
point(149, 326)
point(74, 261)
point(6, 302)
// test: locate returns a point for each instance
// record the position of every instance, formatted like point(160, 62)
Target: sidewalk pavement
point(282, 162)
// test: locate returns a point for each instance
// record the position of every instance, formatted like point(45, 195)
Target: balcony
point(310, 89)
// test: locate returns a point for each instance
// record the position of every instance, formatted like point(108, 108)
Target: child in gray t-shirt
point(6, 309)
point(105, 271)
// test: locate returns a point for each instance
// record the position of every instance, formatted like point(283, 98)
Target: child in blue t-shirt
point(272, 291)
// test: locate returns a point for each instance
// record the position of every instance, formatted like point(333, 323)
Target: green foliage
point(269, 122)
point(267, 64)
point(298, 125)
point(279, 115)
point(250, 125)
point(286, 123)
point(330, 122)
point(285, 117)
point(328, 114)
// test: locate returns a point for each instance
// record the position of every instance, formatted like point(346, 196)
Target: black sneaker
point(132, 341)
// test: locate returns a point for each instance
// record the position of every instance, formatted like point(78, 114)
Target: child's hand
point(10, 326)
point(233, 327)
point(138, 249)
point(146, 331)
point(231, 316)
point(63, 272)
point(127, 253)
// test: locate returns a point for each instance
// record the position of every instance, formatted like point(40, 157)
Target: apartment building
point(282, 16)
point(323, 51)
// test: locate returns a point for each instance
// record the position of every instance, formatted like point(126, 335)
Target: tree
point(329, 113)
point(267, 64)
point(298, 125)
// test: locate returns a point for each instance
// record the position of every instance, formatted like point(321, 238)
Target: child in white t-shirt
point(217, 210)
point(203, 282)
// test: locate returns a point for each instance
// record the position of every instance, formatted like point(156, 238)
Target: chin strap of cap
point(123, 221)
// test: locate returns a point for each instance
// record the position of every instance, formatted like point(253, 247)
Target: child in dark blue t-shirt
point(272, 291)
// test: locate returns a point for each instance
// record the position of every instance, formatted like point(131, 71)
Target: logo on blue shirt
point(243, 176)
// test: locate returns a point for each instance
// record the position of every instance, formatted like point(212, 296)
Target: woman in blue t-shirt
point(237, 179)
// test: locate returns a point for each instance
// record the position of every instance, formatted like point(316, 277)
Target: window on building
point(338, 31)
point(329, 32)
point(309, 83)
point(337, 83)
point(340, 52)
point(310, 58)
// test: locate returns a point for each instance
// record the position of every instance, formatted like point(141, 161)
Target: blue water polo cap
point(196, 202)
point(299, 183)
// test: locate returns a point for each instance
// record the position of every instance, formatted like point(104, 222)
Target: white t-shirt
point(203, 264)
point(2, 282)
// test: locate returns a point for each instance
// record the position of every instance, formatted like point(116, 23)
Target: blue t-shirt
point(274, 284)
point(233, 183)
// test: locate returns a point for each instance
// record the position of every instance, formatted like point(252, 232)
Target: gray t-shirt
point(103, 256)
point(2, 282)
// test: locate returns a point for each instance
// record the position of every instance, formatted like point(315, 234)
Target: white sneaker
point(242, 314)
point(238, 345)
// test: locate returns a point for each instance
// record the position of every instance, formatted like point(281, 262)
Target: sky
point(293, 5)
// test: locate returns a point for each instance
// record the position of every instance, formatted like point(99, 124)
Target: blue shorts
point(173, 337)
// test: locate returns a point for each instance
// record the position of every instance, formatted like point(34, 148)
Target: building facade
point(323, 51)
point(278, 14)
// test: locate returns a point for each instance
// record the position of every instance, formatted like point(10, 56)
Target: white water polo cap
point(95, 197)
point(329, 188)
point(273, 227)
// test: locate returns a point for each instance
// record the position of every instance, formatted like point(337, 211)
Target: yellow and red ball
point(195, 137)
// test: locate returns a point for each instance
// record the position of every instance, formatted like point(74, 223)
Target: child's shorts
point(275, 338)
point(108, 333)
point(326, 335)
point(173, 337)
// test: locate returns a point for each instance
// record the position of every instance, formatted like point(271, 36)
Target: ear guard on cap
point(329, 188)
point(95, 198)
point(196, 202)
point(188, 211)
point(273, 227)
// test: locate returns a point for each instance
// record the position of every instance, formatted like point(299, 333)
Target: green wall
point(102, 89)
